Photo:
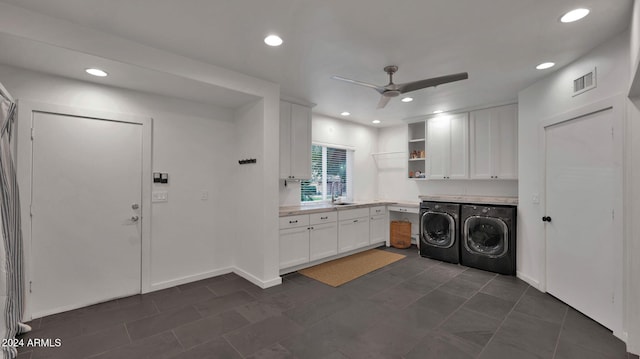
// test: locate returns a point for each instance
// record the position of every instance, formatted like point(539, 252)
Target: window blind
point(330, 174)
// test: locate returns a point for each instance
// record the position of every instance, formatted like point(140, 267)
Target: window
point(330, 173)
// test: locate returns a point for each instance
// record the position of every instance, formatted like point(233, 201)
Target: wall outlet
point(159, 196)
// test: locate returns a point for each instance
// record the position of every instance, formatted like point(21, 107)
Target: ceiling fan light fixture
point(96, 72)
point(375, 121)
point(345, 113)
point(392, 90)
point(407, 99)
point(273, 40)
point(545, 65)
point(574, 15)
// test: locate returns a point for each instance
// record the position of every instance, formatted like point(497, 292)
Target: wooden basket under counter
point(400, 234)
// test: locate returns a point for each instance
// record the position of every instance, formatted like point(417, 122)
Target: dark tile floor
point(414, 308)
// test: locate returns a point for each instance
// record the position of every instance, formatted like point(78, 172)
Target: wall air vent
point(584, 83)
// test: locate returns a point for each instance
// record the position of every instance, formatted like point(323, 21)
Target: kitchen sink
point(343, 204)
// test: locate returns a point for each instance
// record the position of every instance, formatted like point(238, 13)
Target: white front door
point(86, 236)
point(580, 187)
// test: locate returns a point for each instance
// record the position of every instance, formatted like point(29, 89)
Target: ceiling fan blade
point(435, 81)
point(360, 83)
point(384, 100)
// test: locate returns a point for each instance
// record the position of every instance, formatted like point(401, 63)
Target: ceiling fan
point(392, 90)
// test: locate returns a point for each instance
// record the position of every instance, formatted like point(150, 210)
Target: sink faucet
point(333, 188)
point(333, 197)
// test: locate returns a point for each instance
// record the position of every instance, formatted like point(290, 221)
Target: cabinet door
point(323, 240)
point(300, 142)
point(285, 139)
point(505, 154)
point(459, 147)
point(438, 142)
point(352, 234)
point(378, 229)
point(294, 246)
point(362, 232)
point(481, 140)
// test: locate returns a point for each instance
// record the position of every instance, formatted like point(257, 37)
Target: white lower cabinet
point(294, 246)
point(353, 229)
point(378, 224)
point(323, 235)
point(311, 238)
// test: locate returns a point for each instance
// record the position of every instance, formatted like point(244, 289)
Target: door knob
point(546, 219)
point(135, 218)
point(135, 206)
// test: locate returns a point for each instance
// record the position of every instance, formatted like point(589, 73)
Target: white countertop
point(311, 208)
point(510, 201)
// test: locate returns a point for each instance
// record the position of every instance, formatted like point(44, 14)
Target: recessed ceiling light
point(273, 40)
point(407, 99)
point(376, 121)
point(346, 113)
point(96, 72)
point(574, 15)
point(437, 111)
point(545, 65)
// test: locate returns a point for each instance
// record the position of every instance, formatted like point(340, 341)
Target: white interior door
point(580, 187)
point(86, 240)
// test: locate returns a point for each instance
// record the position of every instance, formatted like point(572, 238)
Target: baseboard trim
point(188, 279)
point(532, 282)
point(257, 281)
point(622, 335)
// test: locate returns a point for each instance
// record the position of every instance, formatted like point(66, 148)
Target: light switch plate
point(159, 196)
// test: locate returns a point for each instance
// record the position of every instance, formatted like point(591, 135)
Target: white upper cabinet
point(494, 143)
point(447, 147)
point(295, 141)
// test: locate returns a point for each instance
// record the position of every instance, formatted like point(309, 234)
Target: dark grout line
point(504, 320)
point(564, 319)
point(236, 349)
point(178, 339)
point(126, 329)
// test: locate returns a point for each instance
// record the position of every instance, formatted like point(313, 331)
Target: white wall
point(364, 141)
point(541, 101)
point(635, 50)
point(546, 99)
point(394, 184)
point(632, 245)
point(632, 229)
point(256, 254)
point(193, 142)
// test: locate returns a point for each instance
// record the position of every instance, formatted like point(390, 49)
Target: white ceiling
point(498, 42)
point(46, 58)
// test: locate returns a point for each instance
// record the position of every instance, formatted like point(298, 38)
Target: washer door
point(486, 236)
point(438, 229)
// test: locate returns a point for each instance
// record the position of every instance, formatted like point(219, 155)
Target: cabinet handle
point(324, 217)
point(292, 222)
point(355, 220)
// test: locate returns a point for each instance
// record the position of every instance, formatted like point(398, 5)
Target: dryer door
point(486, 236)
point(438, 229)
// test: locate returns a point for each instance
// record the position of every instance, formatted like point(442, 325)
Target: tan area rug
point(340, 271)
